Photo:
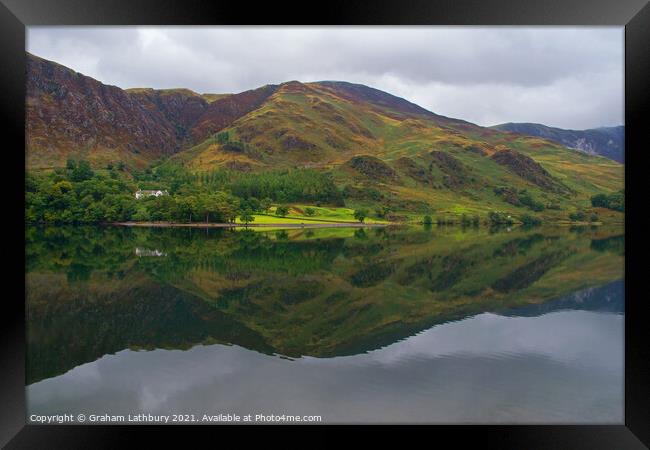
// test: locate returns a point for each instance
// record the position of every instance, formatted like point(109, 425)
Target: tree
point(600, 200)
point(255, 204)
point(204, 206)
point(141, 214)
point(427, 220)
point(265, 204)
point(360, 215)
point(499, 218)
point(186, 207)
point(382, 211)
point(281, 235)
point(227, 206)
point(247, 216)
point(281, 211)
point(219, 205)
point(81, 172)
point(60, 196)
point(162, 208)
point(529, 220)
point(526, 199)
point(310, 212)
point(617, 201)
point(281, 196)
point(62, 187)
point(578, 216)
point(614, 201)
point(223, 137)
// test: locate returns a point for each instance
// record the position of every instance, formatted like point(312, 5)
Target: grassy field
point(263, 218)
point(322, 215)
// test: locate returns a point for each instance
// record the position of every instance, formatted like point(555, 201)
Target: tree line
point(614, 201)
point(293, 185)
point(79, 194)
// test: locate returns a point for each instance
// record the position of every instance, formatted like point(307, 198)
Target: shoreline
point(252, 225)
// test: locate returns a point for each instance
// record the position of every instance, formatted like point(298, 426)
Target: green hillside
point(386, 152)
point(369, 150)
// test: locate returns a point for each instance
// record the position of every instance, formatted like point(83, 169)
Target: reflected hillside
point(606, 299)
point(326, 292)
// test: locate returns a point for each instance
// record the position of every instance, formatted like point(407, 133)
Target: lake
point(383, 325)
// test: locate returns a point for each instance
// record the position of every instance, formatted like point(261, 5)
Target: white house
point(141, 194)
point(148, 252)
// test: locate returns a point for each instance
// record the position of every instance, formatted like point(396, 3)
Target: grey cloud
point(560, 76)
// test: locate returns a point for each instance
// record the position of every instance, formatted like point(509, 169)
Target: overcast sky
point(558, 76)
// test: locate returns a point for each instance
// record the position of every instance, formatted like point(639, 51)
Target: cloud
point(570, 77)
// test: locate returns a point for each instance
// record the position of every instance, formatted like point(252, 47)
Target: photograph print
point(324, 225)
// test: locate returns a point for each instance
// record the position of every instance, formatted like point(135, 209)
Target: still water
point(356, 326)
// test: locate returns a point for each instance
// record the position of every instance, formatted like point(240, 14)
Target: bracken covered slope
point(71, 114)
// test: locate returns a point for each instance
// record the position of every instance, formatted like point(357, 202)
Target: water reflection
point(384, 325)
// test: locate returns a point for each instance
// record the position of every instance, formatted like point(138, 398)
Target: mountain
point(378, 148)
point(604, 141)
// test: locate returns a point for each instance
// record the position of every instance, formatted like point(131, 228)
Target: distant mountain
point(605, 141)
point(379, 149)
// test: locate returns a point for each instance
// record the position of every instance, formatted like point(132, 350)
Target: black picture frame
point(15, 15)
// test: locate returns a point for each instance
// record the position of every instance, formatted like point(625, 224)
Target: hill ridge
point(608, 142)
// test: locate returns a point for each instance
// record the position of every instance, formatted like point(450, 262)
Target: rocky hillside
point(71, 114)
point(605, 141)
